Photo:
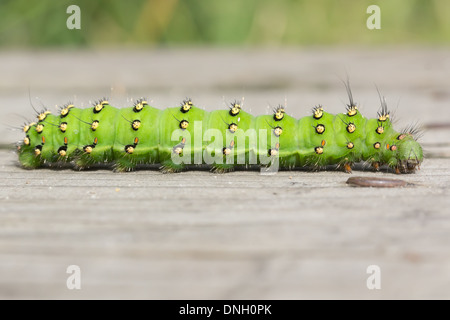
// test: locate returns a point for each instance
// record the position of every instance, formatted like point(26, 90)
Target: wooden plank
point(239, 235)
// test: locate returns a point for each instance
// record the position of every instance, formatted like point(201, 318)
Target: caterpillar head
point(410, 154)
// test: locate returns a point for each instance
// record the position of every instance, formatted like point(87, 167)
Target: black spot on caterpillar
point(223, 139)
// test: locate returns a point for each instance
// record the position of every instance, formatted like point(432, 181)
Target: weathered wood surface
point(239, 235)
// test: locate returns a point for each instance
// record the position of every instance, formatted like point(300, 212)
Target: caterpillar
point(178, 137)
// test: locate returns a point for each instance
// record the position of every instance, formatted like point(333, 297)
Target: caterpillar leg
point(124, 164)
point(169, 166)
point(376, 166)
point(348, 167)
point(92, 155)
point(83, 161)
point(222, 168)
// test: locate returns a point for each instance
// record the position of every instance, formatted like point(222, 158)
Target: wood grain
point(198, 235)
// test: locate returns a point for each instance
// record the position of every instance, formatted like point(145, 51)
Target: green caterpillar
point(223, 139)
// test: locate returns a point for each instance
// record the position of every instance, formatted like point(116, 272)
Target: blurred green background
point(25, 23)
